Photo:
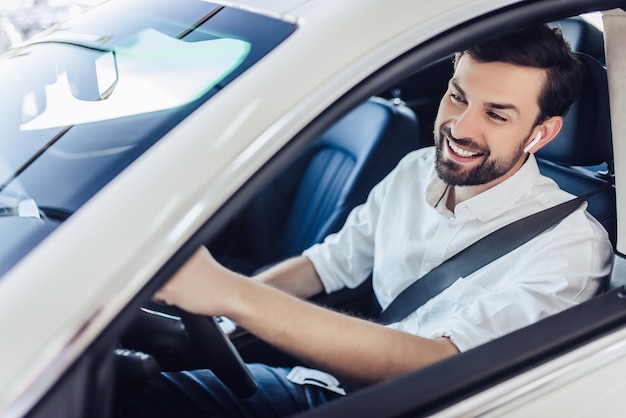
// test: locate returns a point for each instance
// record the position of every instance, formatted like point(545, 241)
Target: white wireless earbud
point(533, 142)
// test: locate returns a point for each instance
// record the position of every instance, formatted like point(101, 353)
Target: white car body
point(64, 293)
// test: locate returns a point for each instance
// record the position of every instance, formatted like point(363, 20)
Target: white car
point(140, 130)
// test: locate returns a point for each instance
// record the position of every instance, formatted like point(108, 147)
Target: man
point(504, 102)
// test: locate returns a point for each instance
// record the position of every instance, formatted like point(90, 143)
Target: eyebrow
point(489, 105)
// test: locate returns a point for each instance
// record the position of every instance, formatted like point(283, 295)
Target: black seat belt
point(478, 255)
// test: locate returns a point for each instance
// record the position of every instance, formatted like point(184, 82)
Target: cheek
point(445, 105)
point(505, 144)
point(444, 112)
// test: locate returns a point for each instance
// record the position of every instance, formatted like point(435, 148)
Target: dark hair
point(539, 47)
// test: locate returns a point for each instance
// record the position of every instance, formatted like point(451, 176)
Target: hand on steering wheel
point(220, 355)
point(179, 340)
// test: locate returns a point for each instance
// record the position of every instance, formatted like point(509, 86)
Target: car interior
point(579, 160)
point(312, 196)
point(335, 173)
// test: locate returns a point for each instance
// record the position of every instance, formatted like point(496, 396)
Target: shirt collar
point(492, 202)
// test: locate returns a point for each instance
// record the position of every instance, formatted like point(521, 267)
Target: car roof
point(293, 10)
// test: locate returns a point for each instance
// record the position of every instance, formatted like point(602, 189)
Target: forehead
point(500, 83)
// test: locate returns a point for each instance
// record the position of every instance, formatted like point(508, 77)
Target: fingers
point(194, 285)
point(161, 298)
point(166, 295)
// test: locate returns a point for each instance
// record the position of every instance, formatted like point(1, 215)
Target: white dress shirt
point(404, 230)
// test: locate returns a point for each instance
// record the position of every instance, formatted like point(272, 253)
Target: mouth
point(460, 152)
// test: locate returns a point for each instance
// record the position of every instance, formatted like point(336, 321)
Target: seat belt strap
point(478, 255)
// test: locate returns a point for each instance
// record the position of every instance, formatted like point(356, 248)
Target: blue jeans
point(199, 393)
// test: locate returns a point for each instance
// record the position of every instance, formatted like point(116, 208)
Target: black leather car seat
point(313, 197)
point(584, 144)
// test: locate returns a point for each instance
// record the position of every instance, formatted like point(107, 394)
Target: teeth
point(461, 152)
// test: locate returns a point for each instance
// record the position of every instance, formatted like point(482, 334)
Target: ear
point(549, 129)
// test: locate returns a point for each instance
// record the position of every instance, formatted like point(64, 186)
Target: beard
point(488, 170)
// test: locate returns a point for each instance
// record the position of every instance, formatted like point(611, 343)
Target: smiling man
point(504, 102)
point(486, 102)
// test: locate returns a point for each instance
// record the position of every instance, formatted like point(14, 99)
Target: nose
point(466, 124)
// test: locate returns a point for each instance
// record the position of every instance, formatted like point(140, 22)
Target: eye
point(456, 98)
point(496, 117)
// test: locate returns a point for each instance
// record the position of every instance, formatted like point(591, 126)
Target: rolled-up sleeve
point(346, 258)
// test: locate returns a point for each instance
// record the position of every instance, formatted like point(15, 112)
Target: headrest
point(585, 138)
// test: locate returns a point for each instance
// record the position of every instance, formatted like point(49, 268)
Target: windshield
point(81, 103)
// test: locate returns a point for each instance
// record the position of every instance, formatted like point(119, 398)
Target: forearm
point(296, 276)
point(356, 350)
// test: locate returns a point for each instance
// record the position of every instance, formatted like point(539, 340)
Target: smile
point(460, 151)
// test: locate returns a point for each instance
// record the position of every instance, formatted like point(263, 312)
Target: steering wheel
point(198, 339)
point(224, 360)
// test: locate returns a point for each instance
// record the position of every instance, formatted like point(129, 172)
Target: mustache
point(446, 132)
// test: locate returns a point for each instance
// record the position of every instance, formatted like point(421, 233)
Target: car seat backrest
point(585, 139)
point(580, 158)
point(583, 37)
point(314, 196)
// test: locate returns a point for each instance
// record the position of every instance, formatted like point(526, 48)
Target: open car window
point(517, 351)
point(270, 217)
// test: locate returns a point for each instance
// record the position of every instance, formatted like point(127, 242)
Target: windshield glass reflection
point(136, 78)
